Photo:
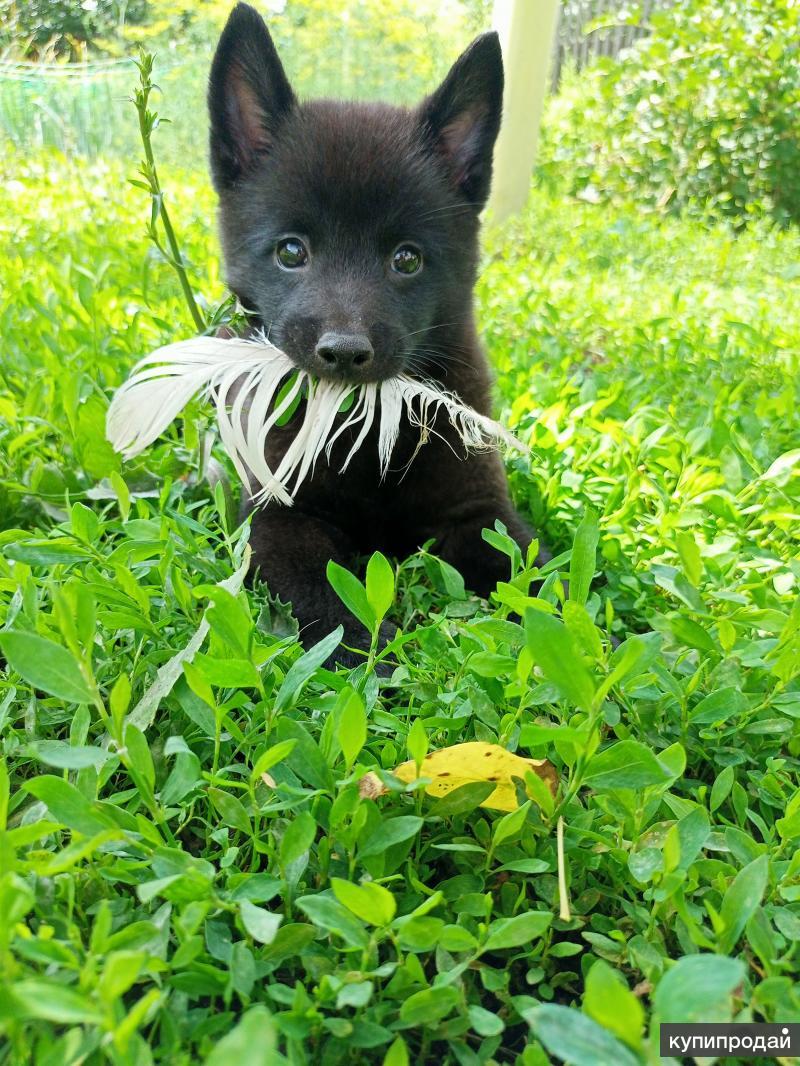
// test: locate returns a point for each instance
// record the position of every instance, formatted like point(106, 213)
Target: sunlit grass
point(653, 366)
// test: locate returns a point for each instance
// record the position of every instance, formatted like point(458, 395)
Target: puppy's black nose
point(343, 352)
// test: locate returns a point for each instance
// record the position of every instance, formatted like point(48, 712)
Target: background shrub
point(702, 114)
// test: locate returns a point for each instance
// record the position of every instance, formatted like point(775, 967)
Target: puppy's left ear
point(249, 96)
point(461, 119)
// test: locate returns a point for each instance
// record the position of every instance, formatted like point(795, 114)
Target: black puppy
point(351, 233)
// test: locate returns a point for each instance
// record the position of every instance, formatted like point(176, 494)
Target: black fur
point(354, 181)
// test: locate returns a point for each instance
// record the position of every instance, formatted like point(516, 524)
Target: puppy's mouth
point(369, 375)
point(349, 369)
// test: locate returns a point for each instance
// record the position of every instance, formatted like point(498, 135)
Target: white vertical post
point(527, 30)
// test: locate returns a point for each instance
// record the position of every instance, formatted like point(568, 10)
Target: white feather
point(244, 378)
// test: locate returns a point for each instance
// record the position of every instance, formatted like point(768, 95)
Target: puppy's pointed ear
point(461, 119)
point(248, 95)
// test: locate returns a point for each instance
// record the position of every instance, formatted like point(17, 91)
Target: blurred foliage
point(703, 114)
point(371, 49)
point(41, 29)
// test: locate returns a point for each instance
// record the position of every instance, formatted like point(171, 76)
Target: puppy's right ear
point(248, 96)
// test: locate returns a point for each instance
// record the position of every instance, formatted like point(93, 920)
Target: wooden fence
point(591, 28)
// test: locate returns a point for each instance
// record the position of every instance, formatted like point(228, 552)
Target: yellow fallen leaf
point(463, 764)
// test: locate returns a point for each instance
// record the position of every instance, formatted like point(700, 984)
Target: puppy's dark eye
point(291, 253)
point(406, 259)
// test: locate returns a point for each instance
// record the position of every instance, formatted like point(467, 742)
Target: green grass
point(654, 368)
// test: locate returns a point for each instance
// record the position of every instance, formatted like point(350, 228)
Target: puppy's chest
point(348, 468)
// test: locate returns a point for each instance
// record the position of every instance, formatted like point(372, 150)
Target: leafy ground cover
point(189, 871)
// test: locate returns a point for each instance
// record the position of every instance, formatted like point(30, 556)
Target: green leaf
point(457, 938)
point(582, 629)
point(184, 777)
point(418, 934)
point(226, 672)
point(576, 1039)
point(119, 700)
point(305, 667)
point(355, 994)
point(380, 585)
point(687, 631)
point(305, 758)
point(53, 1002)
point(698, 988)
point(672, 580)
point(531, 735)
point(45, 665)
point(352, 594)
point(673, 760)
point(371, 903)
point(719, 706)
point(229, 619)
point(291, 940)
point(231, 810)
point(631, 659)
point(761, 937)
point(55, 552)
point(689, 554)
point(510, 824)
point(195, 707)
point(199, 684)
point(554, 651)
point(539, 791)
point(352, 728)
point(74, 609)
point(608, 1000)
point(121, 970)
point(5, 793)
point(327, 913)
point(139, 754)
point(742, 898)
point(721, 788)
point(430, 1005)
point(271, 757)
point(417, 742)
point(66, 756)
point(84, 522)
point(782, 465)
point(261, 924)
point(463, 799)
point(122, 493)
point(298, 838)
point(516, 931)
point(397, 1055)
point(484, 1022)
point(626, 764)
point(391, 832)
point(451, 581)
point(693, 832)
point(584, 556)
point(253, 1042)
point(68, 806)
